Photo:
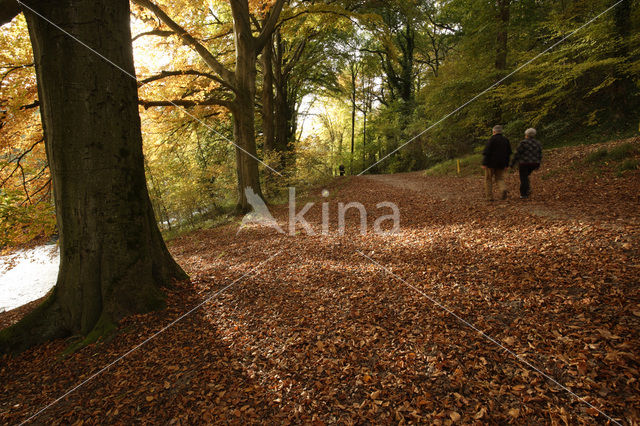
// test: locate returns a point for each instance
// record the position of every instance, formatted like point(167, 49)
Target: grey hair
point(531, 133)
point(498, 129)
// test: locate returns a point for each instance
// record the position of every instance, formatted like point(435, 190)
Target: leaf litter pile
point(358, 329)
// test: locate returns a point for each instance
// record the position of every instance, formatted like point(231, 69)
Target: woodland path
point(324, 333)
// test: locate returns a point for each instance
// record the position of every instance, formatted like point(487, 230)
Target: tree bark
point(354, 76)
point(113, 259)
point(623, 98)
point(502, 50)
point(283, 110)
point(504, 15)
point(9, 9)
point(244, 105)
point(268, 120)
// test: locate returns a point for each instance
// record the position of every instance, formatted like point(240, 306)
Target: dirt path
point(599, 203)
point(433, 187)
point(352, 329)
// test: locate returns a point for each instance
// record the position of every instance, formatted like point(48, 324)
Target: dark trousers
point(525, 183)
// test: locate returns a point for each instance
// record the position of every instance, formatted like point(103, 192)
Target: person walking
point(495, 162)
point(528, 158)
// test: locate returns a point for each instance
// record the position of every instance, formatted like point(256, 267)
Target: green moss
point(42, 324)
point(103, 330)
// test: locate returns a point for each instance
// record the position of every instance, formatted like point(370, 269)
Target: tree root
point(103, 329)
point(41, 325)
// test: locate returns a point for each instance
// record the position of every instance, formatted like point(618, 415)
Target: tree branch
point(34, 104)
point(13, 69)
point(159, 33)
point(18, 159)
point(269, 26)
point(296, 56)
point(46, 185)
point(227, 76)
point(9, 9)
point(165, 74)
point(186, 103)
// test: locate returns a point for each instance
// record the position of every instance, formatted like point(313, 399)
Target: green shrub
point(616, 154)
point(598, 156)
point(470, 165)
point(623, 152)
point(628, 165)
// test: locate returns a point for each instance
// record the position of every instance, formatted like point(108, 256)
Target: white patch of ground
point(27, 275)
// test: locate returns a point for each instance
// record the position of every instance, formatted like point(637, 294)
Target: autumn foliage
point(322, 335)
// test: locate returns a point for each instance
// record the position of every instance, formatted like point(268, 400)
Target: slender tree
point(502, 39)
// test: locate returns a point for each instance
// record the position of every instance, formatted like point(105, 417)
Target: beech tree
point(114, 261)
point(240, 82)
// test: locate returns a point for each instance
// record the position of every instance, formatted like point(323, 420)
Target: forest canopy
point(329, 83)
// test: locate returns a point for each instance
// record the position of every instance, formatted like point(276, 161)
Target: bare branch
point(215, 17)
point(34, 104)
point(46, 185)
point(17, 160)
point(13, 69)
point(24, 184)
point(158, 33)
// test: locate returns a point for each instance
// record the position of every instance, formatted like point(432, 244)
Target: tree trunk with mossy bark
point(113, 259)
point(244, 113)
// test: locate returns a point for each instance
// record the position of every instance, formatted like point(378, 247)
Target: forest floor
point(381, 329)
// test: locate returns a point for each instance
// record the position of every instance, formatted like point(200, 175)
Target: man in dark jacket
point(528, 157)
point(495, 162)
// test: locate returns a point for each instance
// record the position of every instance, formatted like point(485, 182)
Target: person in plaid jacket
point(528, 158)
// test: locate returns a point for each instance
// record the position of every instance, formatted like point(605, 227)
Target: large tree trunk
point(9, 9)
point(244, 117)
point(268, 120)
point(284, 109)
point(113, 259)
point(408, 60)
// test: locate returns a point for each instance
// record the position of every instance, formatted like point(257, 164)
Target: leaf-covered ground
point(352, 329)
